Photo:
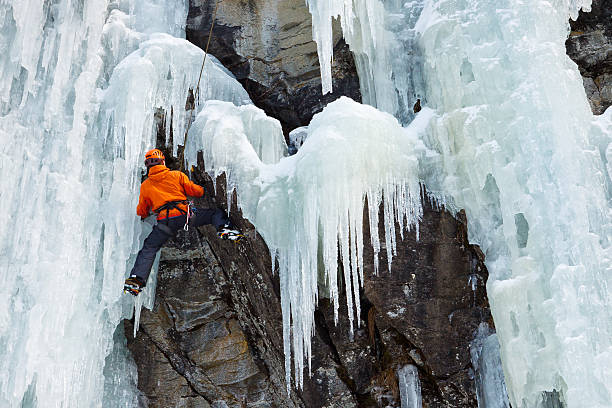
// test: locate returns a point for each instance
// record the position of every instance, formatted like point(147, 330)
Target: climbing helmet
point(154, 157)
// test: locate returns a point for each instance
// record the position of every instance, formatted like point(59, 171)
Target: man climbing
point(164, 192)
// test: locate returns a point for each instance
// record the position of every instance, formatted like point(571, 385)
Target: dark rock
point(268, 46)
point(590, 46)
point(216, 333)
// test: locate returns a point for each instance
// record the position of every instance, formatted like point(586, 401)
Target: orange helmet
point(154, 157)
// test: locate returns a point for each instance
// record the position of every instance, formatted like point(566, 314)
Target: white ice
point(510, 138)
point(309, 207)
point(382, 37)
point(489, 380)
point(514, 137)
point(409, 387)
point(515, 145)
point(79, 84)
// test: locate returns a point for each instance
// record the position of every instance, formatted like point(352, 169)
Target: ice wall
point(518, 148)
point(76, 116)
point(309, 207)
point(515, 142)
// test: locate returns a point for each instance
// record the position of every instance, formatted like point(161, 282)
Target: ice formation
point(309, 207)
point(510, 139)
point(382, 38)
point(79, 85)
point(409, 387)
point(516, 154)
point(519, 149)
point(488, 374)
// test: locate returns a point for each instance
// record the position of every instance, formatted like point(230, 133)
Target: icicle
point(383, 39)
point(489, 376)
point(313, 201)
point(410, 387)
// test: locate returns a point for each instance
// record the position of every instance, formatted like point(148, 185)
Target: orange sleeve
point(144, 204)
point(191, 188)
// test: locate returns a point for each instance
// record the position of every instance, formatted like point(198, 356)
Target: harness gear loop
point(189, 214)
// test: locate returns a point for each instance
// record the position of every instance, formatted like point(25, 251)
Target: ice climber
point(165, 193)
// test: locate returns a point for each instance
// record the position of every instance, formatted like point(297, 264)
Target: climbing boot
point(133, 285)
point(229, 233)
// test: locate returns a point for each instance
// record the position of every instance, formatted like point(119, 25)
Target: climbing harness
point(174, 205)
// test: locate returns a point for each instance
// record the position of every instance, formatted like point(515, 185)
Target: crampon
point(133, 285)
point(228, 233)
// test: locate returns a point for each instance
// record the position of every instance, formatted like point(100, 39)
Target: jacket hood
point(158, 171)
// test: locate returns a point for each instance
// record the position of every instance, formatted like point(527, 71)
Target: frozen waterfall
point(519, 149)
point(80, 83)
point(506, 133)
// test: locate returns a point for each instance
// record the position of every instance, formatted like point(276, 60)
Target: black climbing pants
point(158, 237)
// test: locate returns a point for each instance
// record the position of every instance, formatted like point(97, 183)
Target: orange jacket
point(163, 186)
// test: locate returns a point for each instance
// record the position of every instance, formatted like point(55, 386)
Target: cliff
point(214, 337)
point(215, 333)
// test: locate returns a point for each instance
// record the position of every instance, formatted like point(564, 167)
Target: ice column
point(488, 373)
point(518, 148)
point(309, 206)
point(63, 235)
point(410, 387)
point(74, 122)
point(519, 151)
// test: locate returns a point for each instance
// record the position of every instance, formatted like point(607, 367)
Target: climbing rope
point(192, 97)
point(212, 25)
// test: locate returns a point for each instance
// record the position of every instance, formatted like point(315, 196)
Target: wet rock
point(425, 312)
point(590, 46)
point(158, 379)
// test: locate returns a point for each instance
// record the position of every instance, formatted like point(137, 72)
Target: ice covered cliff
point(80, 83)
point(509, 137)
point(309, 207)
point(519, 149)
point(511, 140)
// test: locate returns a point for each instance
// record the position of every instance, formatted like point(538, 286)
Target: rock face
point(215, 335)
point(590, 46)
point(267, 44)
